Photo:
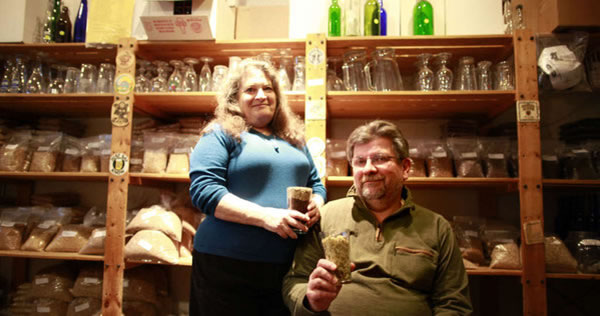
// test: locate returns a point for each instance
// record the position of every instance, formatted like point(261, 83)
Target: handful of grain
point(337, 250)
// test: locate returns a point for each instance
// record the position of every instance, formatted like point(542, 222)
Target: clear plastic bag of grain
point(70, 238)
point(467, 156)
point(53, 282)
point(466, 230)
point(337, 250)
point(90, 159)
point(152, 246)
point(179, 157)
point(72, 151)
point(506, 256)
point(577, 163)
point(15, 154)
point(495, 153)
point(558, 257)
point(46, 147)
point(417, 155)
point(337, 161)
point(84, 306)
point(49, 307)
point(44, 232)
point(95, 217)
point(105, 151)
point(13, 228)
point(139, 285)
point(439, 160)
point(136, 158)
point(89, 281)
point(157, 218)
point(156, 152)
point(95, 245)
point(495, 233)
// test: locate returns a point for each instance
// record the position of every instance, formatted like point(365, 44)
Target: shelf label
point(119, 164)
point(528, 111)
point(119, 114)
point(124, 84)
point(125, 59)
point(534, 232)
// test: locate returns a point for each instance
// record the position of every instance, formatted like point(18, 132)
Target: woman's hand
point(281, 222)
point(314, 209)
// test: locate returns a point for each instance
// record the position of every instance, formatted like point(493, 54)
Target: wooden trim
point(50, 255)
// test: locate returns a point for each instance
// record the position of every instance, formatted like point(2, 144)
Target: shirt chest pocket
point(413, 266)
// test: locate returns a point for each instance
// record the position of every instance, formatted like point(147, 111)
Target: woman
point(246, 158)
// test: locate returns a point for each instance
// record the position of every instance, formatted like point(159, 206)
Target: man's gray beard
point(372, 194)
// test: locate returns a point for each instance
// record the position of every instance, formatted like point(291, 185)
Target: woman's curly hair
point(228, 114)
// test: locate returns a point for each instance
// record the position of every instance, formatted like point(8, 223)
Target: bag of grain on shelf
point(495, 151)
point(467, 156)
point(46, 147)
point(70, 238)
point(466, 229)
point(417, 154)
point(152, 245)
point(90, 159)
point(337, 163)
point(42, 234)
point(138, 285)
point(89, 282)
point(15, 154)
point(53, 282)
point(156, 152)
point(558, 257)
point(95, 217)
point(439, 159)
point(506, 256)
point(136, 157)
point(13, 227)
point(158, 218)
point(179, 155)
point(84, 306)
point(49, 307)
point(73, 149)
point(95, 245)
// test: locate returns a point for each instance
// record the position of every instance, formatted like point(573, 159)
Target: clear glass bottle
point(335, 19)
point(47, 32)
point(80, 22)
point(351, 18)
point(9, 68)
point(190, 77)
point(299, 72)
point(371, 19)
point(284, 63)
point(36, 82)
point(18, 79)
point(423, 18)
point(175, 83)
point(63, 27)
point(205, 75)
point(382, 19)
point(484, 75)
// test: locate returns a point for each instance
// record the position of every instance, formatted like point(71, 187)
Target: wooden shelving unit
point(61, 176)
point(50, 255)
point(49, 105)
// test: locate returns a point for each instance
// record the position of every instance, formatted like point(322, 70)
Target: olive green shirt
point(408, 265)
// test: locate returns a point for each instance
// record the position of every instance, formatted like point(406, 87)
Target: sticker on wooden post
point(316, 56)
point(119, 114)
point(124, 84)
point(528, 111)
point(119, 164)
point(125, 59)
point(534, 232)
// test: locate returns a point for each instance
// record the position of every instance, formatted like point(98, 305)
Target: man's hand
point(323, 286)
point(314, 209)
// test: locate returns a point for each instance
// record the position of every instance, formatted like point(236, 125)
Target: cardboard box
point(21, 21)
point(260, 22)
point(179, 27)
point(560, 15)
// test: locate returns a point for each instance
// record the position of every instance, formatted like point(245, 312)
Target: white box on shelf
point(178, 27)
point(20, 21)
point(474, 17)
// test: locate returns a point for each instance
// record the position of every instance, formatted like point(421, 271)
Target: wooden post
point(315, 114)
point(530, 167)
point(118, 183)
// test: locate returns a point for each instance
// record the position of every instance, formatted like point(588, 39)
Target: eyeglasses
point(376, 160)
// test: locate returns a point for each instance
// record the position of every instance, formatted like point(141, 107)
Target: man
point(406, 258)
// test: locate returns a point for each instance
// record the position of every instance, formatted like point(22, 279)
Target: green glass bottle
point(335, 19)
point(372, 17)
point(423, 18)
point(55, 17)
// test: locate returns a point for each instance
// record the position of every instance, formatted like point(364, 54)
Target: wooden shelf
point(568, 183)
point(153, 178)
point(68, 53)
point(508, 184)
point(62, 176)
point(220, 51)
point(57, 105)
point(494, 272)
point(577, 276)
point(50, 255)
point(182, 262)
point(418, 104)
point(168, 104)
